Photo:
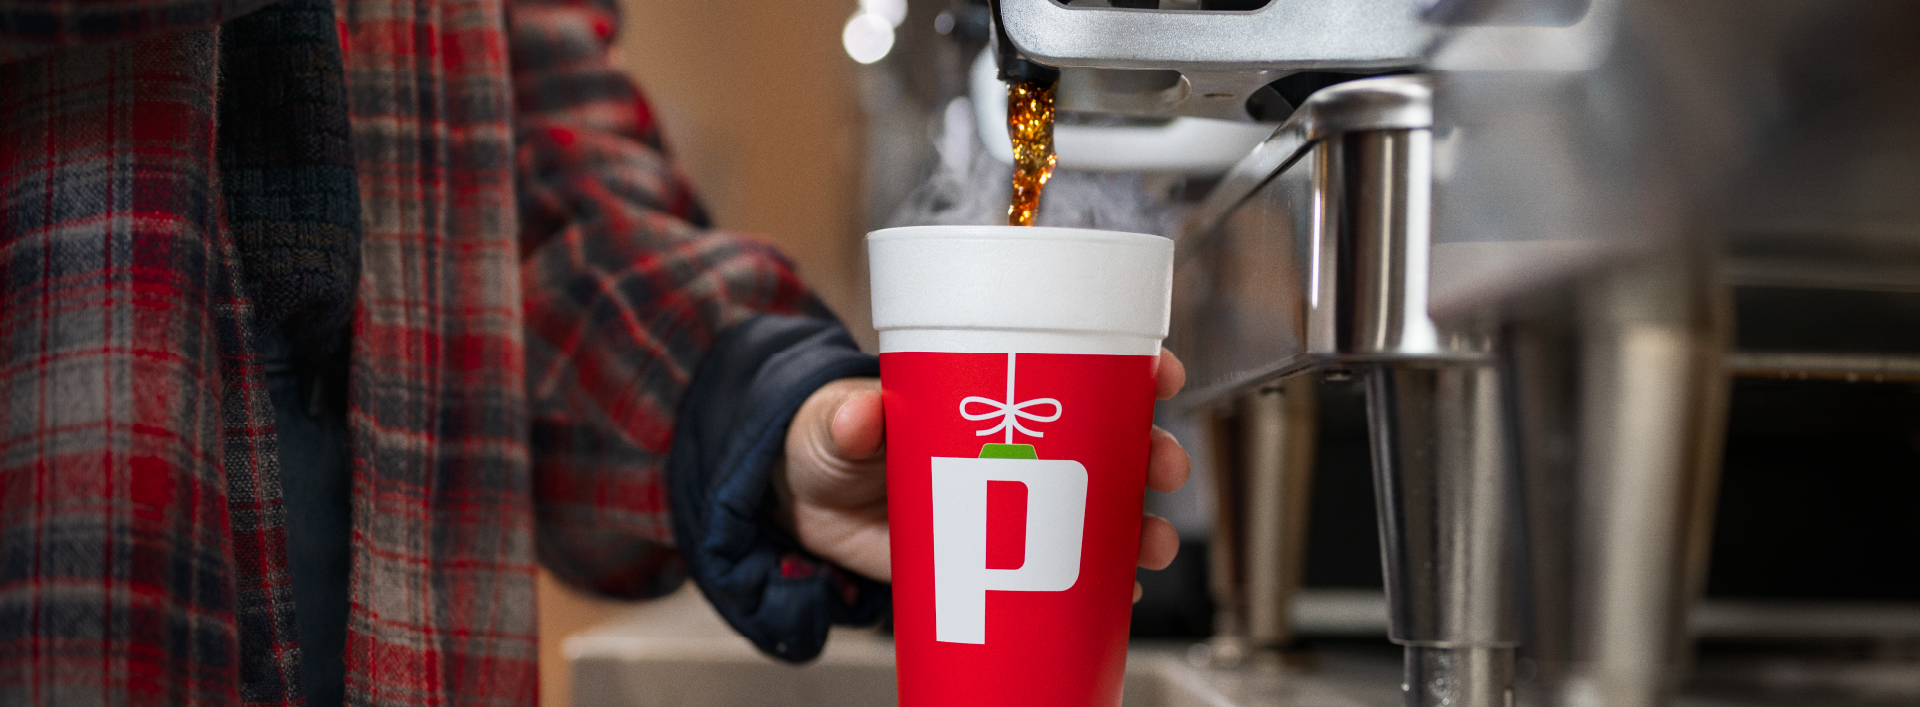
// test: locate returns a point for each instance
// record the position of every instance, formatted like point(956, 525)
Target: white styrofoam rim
point(1017, 233)
point(1054, 286)
point(1015, 341)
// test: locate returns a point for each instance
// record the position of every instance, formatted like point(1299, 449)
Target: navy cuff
point(729, 435)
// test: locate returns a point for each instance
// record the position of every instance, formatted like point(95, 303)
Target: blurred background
point(761, 107)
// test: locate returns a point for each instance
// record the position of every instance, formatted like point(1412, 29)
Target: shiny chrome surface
point(1324, 260)
point(1359, 612)
point(1286, 34)
point(1387, 103)
point(1447, 676)
point(1776, 129)
point(1446, 495)
point(1621, 400)
point(1222, 57)
point(1853, 368)
point(1279, 423)
point(1320, 260)
point(1243, 291)
point(1445, 498)
point(1382, 305)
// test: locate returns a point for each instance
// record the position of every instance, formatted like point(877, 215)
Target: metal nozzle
point(1014, 67)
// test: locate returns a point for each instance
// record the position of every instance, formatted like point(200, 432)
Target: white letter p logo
point(1056, 516)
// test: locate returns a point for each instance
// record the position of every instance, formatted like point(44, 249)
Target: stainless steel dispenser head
point(1184, 62)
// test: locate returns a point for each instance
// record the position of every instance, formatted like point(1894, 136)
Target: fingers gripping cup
point(1017, 368)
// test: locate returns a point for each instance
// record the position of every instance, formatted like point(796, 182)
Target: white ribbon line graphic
point(1009, 412)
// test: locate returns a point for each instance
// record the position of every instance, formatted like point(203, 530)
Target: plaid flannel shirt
point(537, 288)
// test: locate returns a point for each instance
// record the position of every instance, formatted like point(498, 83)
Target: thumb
point(858, 426)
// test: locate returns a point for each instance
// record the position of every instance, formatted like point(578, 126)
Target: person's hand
point(832, 484)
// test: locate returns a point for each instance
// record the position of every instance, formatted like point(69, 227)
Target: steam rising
point(969, 187)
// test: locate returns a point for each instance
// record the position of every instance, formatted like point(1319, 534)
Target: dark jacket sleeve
point(731, 434)
point(664, 358)
point(31, 27)
point(625, 288)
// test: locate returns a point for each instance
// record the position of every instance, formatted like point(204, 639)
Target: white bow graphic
point(1009, 412)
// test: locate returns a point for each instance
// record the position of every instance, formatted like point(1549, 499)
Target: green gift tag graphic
point(991, 450)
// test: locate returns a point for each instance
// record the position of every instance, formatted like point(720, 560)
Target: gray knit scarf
point(287, 171)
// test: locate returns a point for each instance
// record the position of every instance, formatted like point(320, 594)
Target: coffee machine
point(1528, 229)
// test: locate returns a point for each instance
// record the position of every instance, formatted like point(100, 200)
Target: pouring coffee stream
point(1030, 125)
point(1029, 122)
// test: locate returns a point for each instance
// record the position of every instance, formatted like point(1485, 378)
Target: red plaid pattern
point(141, 533)
point(143, 554)
point(623, 295)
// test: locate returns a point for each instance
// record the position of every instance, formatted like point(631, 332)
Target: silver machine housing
point(1524, 250)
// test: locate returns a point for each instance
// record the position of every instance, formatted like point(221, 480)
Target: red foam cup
point(1017, 369)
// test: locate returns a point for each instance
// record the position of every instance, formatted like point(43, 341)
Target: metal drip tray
point(725, 672)
point(857, 671)
point(675, 652)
